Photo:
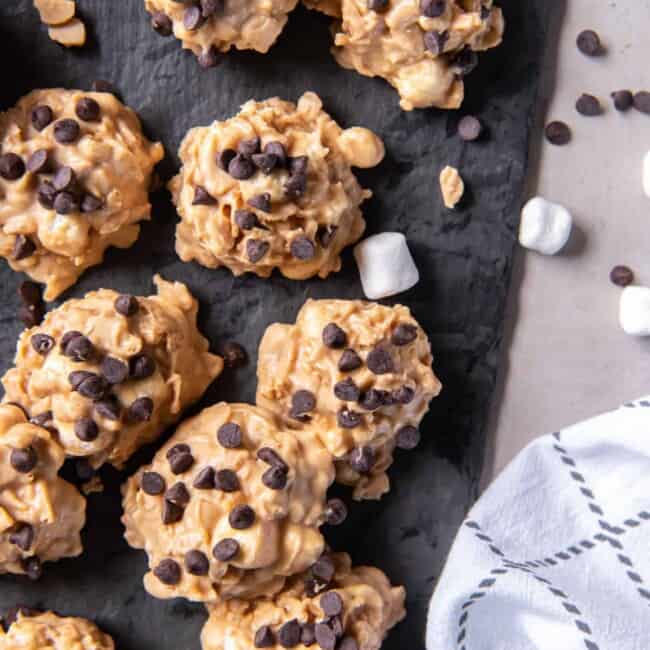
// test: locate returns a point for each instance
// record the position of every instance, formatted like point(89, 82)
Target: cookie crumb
point(451, 186)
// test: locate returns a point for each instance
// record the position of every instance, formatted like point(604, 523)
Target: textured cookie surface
point(75, 172)
point(108, 372)
point(272, 188)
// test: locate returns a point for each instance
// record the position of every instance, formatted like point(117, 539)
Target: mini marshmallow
point(646, 174)
point(385, 265)
point(545, 227)
point(634, 311)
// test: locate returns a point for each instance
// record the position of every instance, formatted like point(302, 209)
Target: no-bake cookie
point(355, 374)
point(75, 171)
point(331, 606)
point(230, 506)
point(107, 373)
point(47, 631)
point(41, 515)
point(272, 188)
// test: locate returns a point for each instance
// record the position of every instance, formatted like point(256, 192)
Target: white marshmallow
point(646, 174)
point(634, 311)
point(385, 265)
point(545, 227)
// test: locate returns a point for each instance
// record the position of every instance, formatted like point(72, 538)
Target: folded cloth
point(556, 554)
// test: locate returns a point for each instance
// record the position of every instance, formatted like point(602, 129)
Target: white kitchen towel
point(556, 553)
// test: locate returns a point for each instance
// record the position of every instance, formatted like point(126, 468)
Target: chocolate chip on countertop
point(23, 247)
point(78, 348)
point(275, 478)
point(348, 419)
point(66, 131)
point(267, 162)
point(102, 86)
point(227, 481)
point(41, 117)
point(588, 43)
point(126, 305)
point(433, 8)
point(226, 550)
point(31, 315)
point(403, 395)
point(32, 567)
point(435, 41)
point(277, 149)
point(30, 292)
point(302, 248)
point(42, 343)
point(109, 408)
point(204, 479)
point(141, 366)
point(193, 17)
point(23, 460)
point(12, 166)
point(621, 276)
point(256, 249)
point(224, 158)
point(88, 110)
point(296, 186)
point(241, 517)
point(325, 234)
point(246, 219)
point(22, 536)
point(234, 355)
point(623, 100)
point(168, 572)
point(404, 334)
point(180, 459)
point(379, 361)
point(171, 513)
point(271, 457)
point(178, 495)
point(141, 410)
point(325, 636)
point(114, 370)
point(46, 194)
point(362, 459)
point(39, 162)
point(336, 512)
point(66, 203)
point(197, 563)
point(378, 5)
point(349, 361)
point(261, 202)
point(289, 634)
point(264, 637)
point(331, 603)
point(588, 105)
point(249, 147)
point(209, 58)
point(348, 643)
point(86, 429)
point(347, 390)
point(333, 336)
point(203, 197)
point(152, 483)
point(642, 102)
point(88, 384)
point(470, 128)
point(162, 23)
point(229, 435)
point(558, 133)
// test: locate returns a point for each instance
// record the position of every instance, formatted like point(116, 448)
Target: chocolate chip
point(558, 133)
point(141, 410)
point(271, 457)
point(378, 5)
point(88, 110)
point(88, 384)
point(373, 399)
point(78, 348)
point(277, 149)
point(348, 643)
point(83, 469)
point(66, 131)
point(86, 430)
point(349, 361)
point(39, 162)
point(67, 338)
point(90, 203)
point(264, 637)
point(256, 249)
point(621, 276)
point(470, 128)
point(302, 248)
point(204, 479)
point(234, 355)
point(323, 569)
point(229, 435)
point(267, 162)
point(275, 478)
point(42, 343)
point(348, 419)
point(22, 536)
point(642, 102)
point(404, 334)
point(362, 459)
point(41, 116)
point(32, 567)
point(43, 419)
point(331, 604)
point(102, 86)
point(46, 194)
point(298, 164)
point(433, 8)
point(302, 402)
point(180, 448)
point(296, 186)
point(203, 197)
point(347, 390)
point(325, 636)
point(12, 166)
point(193, 18)
point(435, 41)
point(152, 483)
point(246, 219)
point(623, 100)
point(114, 370)
point(289, 634)
point(211, 7)
point(588, 105)
point(23, 247)
point(31, 315)
point(261, 202)
point(23, 460)
point(178, 495)
point(168, 572)
point(407, 437)
point(325, 234)
point(197, 563)
point(30, 292)
point(227, 481)
point(109, 408)
point(333, 336)
point(180, 459)
point(249, 147)
point(465, 62)
point(308, 634)
point(403, 395)
point(126, 305)
point(588, 42)
point(171, 513)
point(241, 517)
point(380, 362)
point(209, 58)
point(226, 550)
point(162, 23)
point(336, 512)
point(66, 203)
point(141, 366)
point(224, 158)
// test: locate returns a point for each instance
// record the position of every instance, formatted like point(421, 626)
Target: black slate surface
point(464, 258)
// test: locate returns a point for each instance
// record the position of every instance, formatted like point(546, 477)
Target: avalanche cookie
point(75, 171)
point(209, 27)
point(271, 188)
point(424, 48)
point(41, 515)
point(355, 374)
point(230, 506)
point(331, 606)
point(107, 373)
point(47, 631)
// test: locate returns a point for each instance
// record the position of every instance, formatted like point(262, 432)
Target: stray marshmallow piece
point(451, 186)
point(545, 227)
point(385, 265)
point(646, 174)
point(70, 34)
point(634, 311)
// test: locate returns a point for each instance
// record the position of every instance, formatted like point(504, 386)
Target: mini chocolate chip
point(289, 634)
point(141, 366)
point(331, 604)
point(78, 348)
point(229, 435)
point(203, 197)
point(193, 18)
point(407, 437)
point(333, 336)
point(256, 249)
point(23, 247)
point(379, 361)
point(88, 110)
point(373, 399)
point(623, 100)
point(152, 483)
point(298, 165)
point(86, 430)
point(470, 128)
point(433, 8)
point(261, 202)
point(302, 248)
point(296, 186)
point(90, 203)
point(267, 162)
point(171, 513)
point(234, 355)
point(621, 276)
point(66, 203)
point(249, 147)
point(641, 101)
point(465, 62)
point(336, 512)
point(308, 634)
point(180, 462)
point(141, 410)
point(277, 149)
point(41, 116)
point(88, 384)
point(42, 343)
point(168, 572)
point(39, 162)
point(23, 460)
point(114, 370)
point(211, 7)
point(264, 637)
point(275, 478)
point(162, 23)
point(348, 643)
point(22, 536)
point(30, 293)
point(435, 41)
point(209, 58)
point(178, 495)
point(271, 457)
point(109, 408)
point(362, 459)
point(83, 469)
point(325, 636)
point(102, 86)
point(66, 131)
point(227, 481)
point(558, 133)
point(46, 194)
point(204, 479)
point(197, 563)
point(226, 550)
point(302, 401)
point(404, 334)
point(378, 5)
point(32, 567)
point(323, 569)
point(347, 390)
point(31, 315)
point(325, 234)
point(224, 158)
point(241, 517)
point(588, 42)
point(246, 219)
point(588, 105)
point(349, 361)
point(348, 419)
point(403, 395)
point(126, 305)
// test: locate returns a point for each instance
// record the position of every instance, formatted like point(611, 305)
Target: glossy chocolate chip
point(433, 8)
point(277, 149)
point(66, 203)
point(141, 366)
point(42, 343)
point(621, 276)
point(64, 179)
point(41, 117)
point(229, 435)
point(325, 636)
point(347, 390)
point(126, 305)
point(224, 158)
point(348, 419)
point(32, 567)
point(209, 58)
point(168, 572)
point(46, 194)
point(39, 162)
point(623, 100)
point(362, 459)
point(83, 469)
point(246, 219)
point(588, 42)
point(30, 292)
point(204, 479)
point(44, 419)
point(78, 348)
point(261, 202)
point(203, 197)
point(264, 637)
point(325, 234)
point(588, 105)
point(349, 361)
point(109, 408)
point(141, 410)
point(86, 429)
point(31, 315)
point(435, 41)
point(241, 167)
point(403, 395)
point(323, 569)
point(271, 457)
point(275, 478)
point(24, 247)
point(373, 399)
point(333, 336)
point(162, 23)
point(308, 634)
point(114, 370)
point(296, 186)
point(23, 460)
point(302, 248)
point(289, 634)
point(22, 536)
point(558, 133)
point(267, 162)
point(152, 483)
point(256, 249)
point(407, 437)
point(193, 17)
point(178, 495)
point(379, 361)
point(181, 460)
point(226, 550)
point(241, 517)
point(331, 604)
point(171, 513)
point(404, 334)
point(180, 448)
point(336, 512)
point(12, 166)
point(88, 110)
point(249, 147)
point(234, 355)
point(90, 203)
point(226, 480)
point(302, 402)
point(197, 563)
point(470, 128)
point(66, 131)
point(88, 384)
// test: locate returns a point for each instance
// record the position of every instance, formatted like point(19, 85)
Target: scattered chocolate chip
point(249, 147)
point(308, 634)
point(336, 512)
point(331, 604)
point(241, 517)
point(12, 166)
point(178, 495)
point(229, 435)
point(264, 637)
point(325, 636)
point(277, 149)
point(39, 162)
point(348, 419)
point(197, 563)
point(22, 536)
point(204, 479)
point(90, 203)
point(261, 202)
point(180, 459)
point(23, 460)
point(46, 194)
point(88, 384)
point(470, 128)
point(621, 276)
point(171, 513)
point(588, 42)
point(102, 86)
point(234, 355)
point(302, 402)
point(302, 248)
point(23, 247)
point(66, 131)
point(246, 219)
point(558, 133)
point(162, 23)
point(404, 334)
point(66, 203)
point(296, 186)
point(323, 569)
point(403, 395)
point(31, 315)
point(226, 550)
point(588, 105)
point(642, 102)
point(86, 429)
point(109, 408)
point(465, 62)
point(373, 398)
point(227, 481)
point(126, 305)
point(30, 293)
point(141, 366)
point(289, 634)
point(203, 197)
point(211, 7)
point(348, 643)
point(256, 249)
point(78, 348)
point(209, 58)
point(333, 336)
point(168, 572)
point(141, 410)
point(362, 459)
point(347, 390)
point(88, 110)
point(152, 483)
point(224, 158)
point(378, 5)
point(623, 100)
point(267, 162)
point(32, 567)
point(433, 8)
point(325, 234)
point(42, 343)
point(271, 457)
point(275, 478)
point(114, 370)
point(41, 116)
point(407, 437)
point(349, 361)
point(193, 17)
point(380, 362)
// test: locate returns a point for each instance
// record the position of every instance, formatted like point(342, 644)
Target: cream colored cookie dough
point(230, 506)
point(423, 48)
point(287, 200)
point(107, 373)
point(356, 374)
point(208, 27)
point(41, 515)
point(48, 631)
point(75, 171)
point(349, 608)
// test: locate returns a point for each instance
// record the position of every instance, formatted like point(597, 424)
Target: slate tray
point(464, 258)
